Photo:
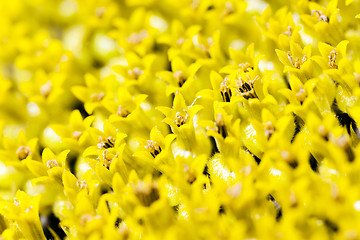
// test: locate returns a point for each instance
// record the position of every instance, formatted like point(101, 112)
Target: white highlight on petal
point(33, 109)
point(357, 205)
point(221, 171)
point(68, 7)
point(158, 23)
point(275, 172)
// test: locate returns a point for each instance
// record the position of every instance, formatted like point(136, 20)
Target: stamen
point(52, 163)
point(106, 160)
point(147, 193)
point(122, 112)
point(289, 31)
point(269, 129)
point(76, 135)
point(319, 14)
point(81, 184)
point(228, 10)
point(221, 125)
point(190, 175)
point(153, 148)
point(23, 152)
point(97, 97)
point(225, 90)
point(247, 88)
point(45, 89)
point(289, 158)
point(180, 119)
point(323, 132)
point(301, 95)
point(296, 62)
point(85, 219)
point(180, 77)
point(332, 59)
point(136, 38)
point(106, 142)
point(245, 67)
point(344, 142)
point(99, 12)
point(135, 73)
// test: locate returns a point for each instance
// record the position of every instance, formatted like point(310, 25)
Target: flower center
point(122, 112)
point(147, 193)
point(220, 124)
point(106, 142)
point(289, 31)
point(45, 89)
point(76, 135)
point(229, 8)
point(136, 38)
point(332, 59)
point(225, 90)
point(269, 129)
point(344, 142)
point(245, 67)
point(190, 174)
point(180, 77)
point(246, 88)
point(23, 152)
point(319, 14)
point(289, 158)
point(81, 184)
point(295, 61)
point(180, 119)
point(135, 73)
point(323, 132)
point(97, 97)
point(52, 163)
point(153, 148)
point(301, 95)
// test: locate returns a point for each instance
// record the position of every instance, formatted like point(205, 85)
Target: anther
point(323, 132)
point(301, 95)
point(99, 12)
point(319, 14)
point(180, 119)
point(153, 148)
point(228, 10)
point(122, 112)
point(45, 89)
point(76, 135)
point(289, 158)
point(269, 129)
point(106, 142)
point(190, 175)
point(246, 88)
point(289, 31)
point(332, 59)
point(147, 193)
point(81, 184)
point(180, 77)
point(220, 124)
point(136, 38)
point(23, 152)
point(225, 90)
point(97, 97)
point(296, 62)
point(135, 73)
point(52, 163)
point(344, 143)
point(106, 160)
point(245, 67)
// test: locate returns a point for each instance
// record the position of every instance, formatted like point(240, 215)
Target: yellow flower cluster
point(193, 119)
